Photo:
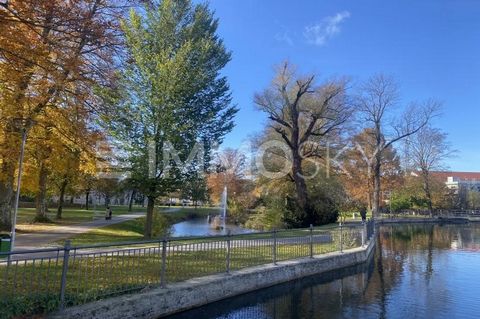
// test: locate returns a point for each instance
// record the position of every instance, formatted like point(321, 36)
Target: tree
point(50, 52)
point(358, 169)
point(171, 96)
point(413, 188)
point(473, 196)
point(195, 188)
point(428, 149)
point(303, 115)
point(108, 187)
point(129, 185)
point(377, 105)
point(86, 182)
point(228, 170)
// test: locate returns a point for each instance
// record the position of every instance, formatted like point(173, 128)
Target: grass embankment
point(132, 230)
point(29, 288)
point(32, 288)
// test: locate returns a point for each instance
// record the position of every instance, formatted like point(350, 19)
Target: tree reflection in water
point(420, 270)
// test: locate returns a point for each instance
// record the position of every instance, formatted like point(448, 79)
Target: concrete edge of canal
point(158, 302)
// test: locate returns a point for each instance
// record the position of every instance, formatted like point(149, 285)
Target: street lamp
point(23, 125)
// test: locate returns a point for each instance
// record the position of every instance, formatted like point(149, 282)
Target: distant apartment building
point(457, 180)
point(96, 198)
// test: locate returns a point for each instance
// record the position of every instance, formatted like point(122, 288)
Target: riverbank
point(176, 297)
point(417, 271)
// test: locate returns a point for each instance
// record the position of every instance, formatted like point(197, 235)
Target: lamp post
point(24, 126)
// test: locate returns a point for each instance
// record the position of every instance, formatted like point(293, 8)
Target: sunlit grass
point(132, 230)
point(33, 287)
point(69, 215)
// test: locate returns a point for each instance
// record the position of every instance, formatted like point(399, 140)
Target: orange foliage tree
point(358, 178)
point(51, 53)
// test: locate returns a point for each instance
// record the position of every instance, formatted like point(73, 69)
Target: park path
point(42, 239)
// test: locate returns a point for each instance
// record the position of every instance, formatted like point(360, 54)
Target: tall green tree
point(195, 188)
point(171, 96)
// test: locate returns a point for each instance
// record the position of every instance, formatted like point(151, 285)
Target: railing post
point(364, 233)
point(311, 241)
point(274, 246)
point(228, 252)
point(341, 238)
point(164, 263)
point(63, 283)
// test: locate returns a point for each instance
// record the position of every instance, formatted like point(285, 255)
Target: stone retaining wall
point(158, 302)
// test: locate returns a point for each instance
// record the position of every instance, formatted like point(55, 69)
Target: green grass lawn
point(132, 230)
point(349, 216)
point(29, 288)
point(71, 215)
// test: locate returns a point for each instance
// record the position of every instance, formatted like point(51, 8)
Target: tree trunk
point(87, 198)
point(369, 200)
point(11, 144)
point(376, 188)
point(149, 219)
point(369, 189)
point(41, 198)
point(6, 196)
point(301, 187)
point(301, 190)
point(130, 201)
point(297, 171)
point(428, 193)
point(61, 198)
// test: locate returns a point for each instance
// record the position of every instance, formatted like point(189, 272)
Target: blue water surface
point(417, 271)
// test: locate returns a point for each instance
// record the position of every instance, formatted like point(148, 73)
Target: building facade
point(457, 180)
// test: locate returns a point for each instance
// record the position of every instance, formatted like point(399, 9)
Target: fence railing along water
point(48, 279)
point(436, 213)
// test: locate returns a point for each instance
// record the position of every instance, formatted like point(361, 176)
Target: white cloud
point(284, 37)
point(319, 33)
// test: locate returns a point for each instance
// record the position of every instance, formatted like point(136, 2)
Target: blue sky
point(431, 47)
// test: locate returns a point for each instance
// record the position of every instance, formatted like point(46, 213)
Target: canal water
point(417, 271)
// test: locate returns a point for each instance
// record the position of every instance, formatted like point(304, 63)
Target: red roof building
point(456, 179)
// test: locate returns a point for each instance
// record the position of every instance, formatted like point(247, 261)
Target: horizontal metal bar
point(30, 251)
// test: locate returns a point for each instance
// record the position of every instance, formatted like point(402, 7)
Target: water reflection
point(418, 271)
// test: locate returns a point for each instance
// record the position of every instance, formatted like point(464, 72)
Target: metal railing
point(435, 214)
point(44, 280)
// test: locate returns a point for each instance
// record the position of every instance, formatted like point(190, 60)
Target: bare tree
point(428, 149)
point(378, 106)
point(229, 170)
point(301, 112)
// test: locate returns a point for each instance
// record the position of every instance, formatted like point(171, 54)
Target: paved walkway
point(42, 239)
